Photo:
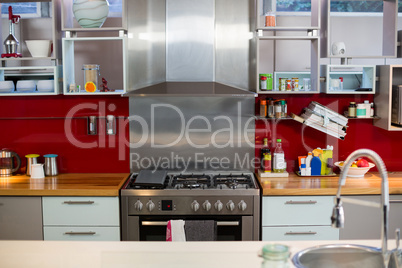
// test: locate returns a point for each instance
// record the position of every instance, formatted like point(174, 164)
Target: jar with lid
point(288, 85)
point(263, 108)
point(360, 110)
point(278, 109)
point(275, 256)
point(352, 110)
point(295, 84)
point(284, 109)
point(282, 85)
point(263, 82)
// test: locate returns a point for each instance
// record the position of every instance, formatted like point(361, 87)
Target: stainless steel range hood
point(202, 46)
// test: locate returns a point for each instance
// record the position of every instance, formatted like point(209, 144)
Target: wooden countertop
point(296, 185)
point(72, 184)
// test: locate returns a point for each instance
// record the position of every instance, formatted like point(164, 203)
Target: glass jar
point(263, 108)
point(352, 110)
point(278, 109)
point(91, 74)
point(275, 256)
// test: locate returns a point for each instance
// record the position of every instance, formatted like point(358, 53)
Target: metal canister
point(51, 165)
point(31, 160)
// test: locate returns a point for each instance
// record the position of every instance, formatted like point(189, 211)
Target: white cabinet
point(28, 67)
point(297, 218)
point(81, 218)
point(20, 218)
point(279, 42)
point(105, 46)
point(390, 75)
point(356, 79)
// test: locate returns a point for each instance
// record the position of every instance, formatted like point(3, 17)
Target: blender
point(11, 43)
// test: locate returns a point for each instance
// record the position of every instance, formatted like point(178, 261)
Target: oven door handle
point(164, 223)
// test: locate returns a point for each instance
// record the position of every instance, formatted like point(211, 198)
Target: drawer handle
point(397, 201)
point(301, 233)
point(78, 202)
point(80, 233)
point(309, 202)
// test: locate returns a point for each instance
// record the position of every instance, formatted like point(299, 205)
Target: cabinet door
point(21, 218)
point(362, 222)
point(87, 233)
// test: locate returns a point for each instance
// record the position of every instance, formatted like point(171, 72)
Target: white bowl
point(6, 86)
point(26, 85)
point(356, 172)
point(45, 85)
point(39, 48)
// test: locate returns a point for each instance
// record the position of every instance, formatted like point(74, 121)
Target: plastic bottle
point(263, 83)
point(279, 158)
point(308, 159)
point(368, 108)
point(361, 110)
point(315, 166)
point(341, 83)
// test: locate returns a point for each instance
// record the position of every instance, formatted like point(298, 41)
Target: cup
point(51, 165)
point(37, 171)
point(306, 84)
point(31, 160)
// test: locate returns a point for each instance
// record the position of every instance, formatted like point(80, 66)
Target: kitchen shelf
point(35, 73)
point(354, 77)
point(390, 75)
point(110, 62)
point(112, 23)
point(389, 32)
point(274, 42)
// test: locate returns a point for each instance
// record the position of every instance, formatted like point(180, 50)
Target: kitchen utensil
point(7, 162)
point(37, 171)
point(356, 172)
point(11, 43)
point(51, 165)
point(26, 85)
point(31, 160)
point(6, 86)
point(39, 48)
point(151, 178)
point(45, 85)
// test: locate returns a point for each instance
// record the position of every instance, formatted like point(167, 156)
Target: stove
point(232, 199)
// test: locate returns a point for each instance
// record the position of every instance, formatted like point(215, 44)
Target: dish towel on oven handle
point(175, 231)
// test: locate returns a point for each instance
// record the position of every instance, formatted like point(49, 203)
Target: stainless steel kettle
point(7, 163)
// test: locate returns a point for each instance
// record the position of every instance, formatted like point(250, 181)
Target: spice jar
point(288, 85)
point(263, 82)
point(278, 109)
point(352, 110)
point(295, 84)
point(263, 108)
point(284, 109)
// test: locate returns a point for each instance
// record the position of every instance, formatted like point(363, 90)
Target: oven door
point(229, 228)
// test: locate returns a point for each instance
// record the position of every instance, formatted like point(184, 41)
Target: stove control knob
point(206, 205)
point(218, 205)
point(138, 205)
point(195, 205)
point(242, 205)
point(230, 205)
point(150, 205)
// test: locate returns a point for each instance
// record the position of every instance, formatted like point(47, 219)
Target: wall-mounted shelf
point(357, 79)
point(389, 33)
point(112, 61)
point(35, 73)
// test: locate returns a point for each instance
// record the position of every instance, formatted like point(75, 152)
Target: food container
point(6, 86)
point(26, 86)
point(45, 85)
point(91, 74)
point(355, 172)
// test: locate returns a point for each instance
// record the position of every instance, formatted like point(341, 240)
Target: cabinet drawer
point(74, 233)
point(297, 210)
point(297, 233)
point(94, 211)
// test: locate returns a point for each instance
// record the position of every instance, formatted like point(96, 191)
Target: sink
point(334, 256)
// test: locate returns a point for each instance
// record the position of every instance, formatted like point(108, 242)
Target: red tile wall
point(38, 125)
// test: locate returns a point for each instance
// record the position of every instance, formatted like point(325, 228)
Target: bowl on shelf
point(6, 86)
point(39, 48)
point(45, 85)
point(355, 172)
point(26, 86)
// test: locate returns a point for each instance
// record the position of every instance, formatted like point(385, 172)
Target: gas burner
point(234, 181)
point(191, 181)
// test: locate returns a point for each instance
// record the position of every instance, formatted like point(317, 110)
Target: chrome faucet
point(337, 213)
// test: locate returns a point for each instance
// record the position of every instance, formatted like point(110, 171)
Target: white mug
point(37, 171)
point(338, 48)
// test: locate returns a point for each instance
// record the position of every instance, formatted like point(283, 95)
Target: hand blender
point(11, 43)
